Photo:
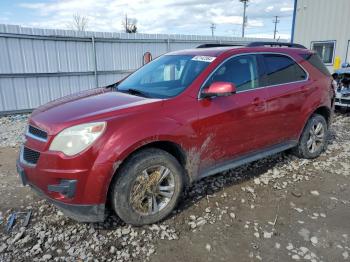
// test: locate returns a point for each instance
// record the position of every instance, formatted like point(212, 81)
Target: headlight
point(75, 139)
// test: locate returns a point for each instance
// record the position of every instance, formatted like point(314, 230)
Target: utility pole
point(126, 23)
point(244, 15)
point(276, 21)
point(212, 27)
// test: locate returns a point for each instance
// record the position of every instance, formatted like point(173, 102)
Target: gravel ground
point(278, 209)
point(12, 129)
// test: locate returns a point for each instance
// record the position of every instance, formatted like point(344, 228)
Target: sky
point(155, 16)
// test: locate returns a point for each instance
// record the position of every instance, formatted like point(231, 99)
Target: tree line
point(80, 23)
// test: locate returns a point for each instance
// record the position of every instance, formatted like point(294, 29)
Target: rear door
point(286, 90)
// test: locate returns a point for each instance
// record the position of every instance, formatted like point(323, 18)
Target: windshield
point(165, 77)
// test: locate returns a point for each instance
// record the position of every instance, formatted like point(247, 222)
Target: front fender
point(131, 136)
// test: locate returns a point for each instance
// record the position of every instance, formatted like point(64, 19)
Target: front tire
point(147, 187)
point(313, 139)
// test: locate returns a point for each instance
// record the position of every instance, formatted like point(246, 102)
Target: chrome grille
point(30, 156)
point(36, 133)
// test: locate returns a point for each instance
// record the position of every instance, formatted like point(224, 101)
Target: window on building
point(325, 50)
point(281, 69)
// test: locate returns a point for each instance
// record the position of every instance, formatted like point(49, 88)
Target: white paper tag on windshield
point(202, 58)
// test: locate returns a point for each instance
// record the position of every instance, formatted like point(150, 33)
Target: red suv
point(136, 144)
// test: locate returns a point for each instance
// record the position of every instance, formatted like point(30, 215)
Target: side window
point(281, 69)
point(241, 71)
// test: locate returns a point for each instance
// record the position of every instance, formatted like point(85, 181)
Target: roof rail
point(280, 44)
point(216, 45)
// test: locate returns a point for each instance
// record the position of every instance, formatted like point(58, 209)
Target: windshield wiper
point(135, 92)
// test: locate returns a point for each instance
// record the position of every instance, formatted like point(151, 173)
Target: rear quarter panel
point(318, 92)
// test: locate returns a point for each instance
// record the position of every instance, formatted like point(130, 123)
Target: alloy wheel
point(153, 189)
point(316, 137)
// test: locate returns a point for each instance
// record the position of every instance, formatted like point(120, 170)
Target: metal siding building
point(40, 65)
point(324, 25)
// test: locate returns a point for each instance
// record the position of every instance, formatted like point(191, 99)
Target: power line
point(276, 21)
point(244, 23)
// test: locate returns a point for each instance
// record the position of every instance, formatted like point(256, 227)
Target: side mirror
point(219, 89)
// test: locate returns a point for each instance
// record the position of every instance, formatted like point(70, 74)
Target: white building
point(324, 26)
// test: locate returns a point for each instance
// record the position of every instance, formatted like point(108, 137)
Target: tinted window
point(316, 61)
point(241, 71)
point(281, 69)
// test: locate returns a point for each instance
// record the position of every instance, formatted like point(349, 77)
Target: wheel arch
point(170, 147)
point(301, 149)
point(323, 111)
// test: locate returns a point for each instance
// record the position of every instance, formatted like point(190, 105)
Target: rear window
point(316, 61)
point(281, 69)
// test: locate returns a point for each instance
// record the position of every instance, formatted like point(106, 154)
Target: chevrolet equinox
point(136, 144)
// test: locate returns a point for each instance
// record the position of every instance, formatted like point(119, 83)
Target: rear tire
point(313, 139)
point(147, 187)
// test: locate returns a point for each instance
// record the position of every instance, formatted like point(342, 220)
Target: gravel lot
point(277, 209)
point(11, 130)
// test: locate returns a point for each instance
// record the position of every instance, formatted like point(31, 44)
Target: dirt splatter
point(195, 158)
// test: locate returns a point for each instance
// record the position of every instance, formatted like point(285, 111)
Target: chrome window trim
point(21, 159)
point(255, 53)
point(33, 136)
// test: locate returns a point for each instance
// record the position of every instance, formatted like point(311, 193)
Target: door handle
point(257, 101)
point(304, 89)
point(260, 105)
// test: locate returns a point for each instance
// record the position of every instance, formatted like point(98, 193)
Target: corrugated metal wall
point(324, 20)
point(39, 65)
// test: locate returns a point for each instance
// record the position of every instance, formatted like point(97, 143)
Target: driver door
point(233, 124)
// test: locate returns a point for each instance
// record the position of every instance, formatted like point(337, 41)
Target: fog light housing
point(65, 187)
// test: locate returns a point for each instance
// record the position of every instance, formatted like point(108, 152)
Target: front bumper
point(342, 104)
point(78, 212)
point(341, 100)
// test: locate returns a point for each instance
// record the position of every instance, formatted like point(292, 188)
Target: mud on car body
point(186, 115)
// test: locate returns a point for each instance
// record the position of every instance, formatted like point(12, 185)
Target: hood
point(85, 106)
